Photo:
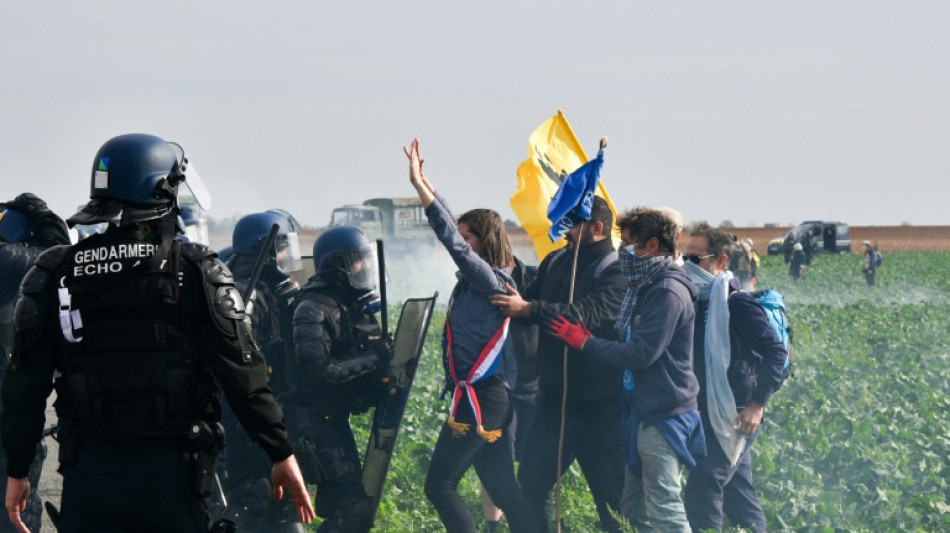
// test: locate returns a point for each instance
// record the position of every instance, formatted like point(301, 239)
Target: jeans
point(632, 502)
point(715, 487)
point(661, 482)
point(492, 461)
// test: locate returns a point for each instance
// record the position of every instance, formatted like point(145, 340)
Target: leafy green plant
point(858, 440)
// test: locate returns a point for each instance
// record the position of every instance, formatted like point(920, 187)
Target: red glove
point(574, 335)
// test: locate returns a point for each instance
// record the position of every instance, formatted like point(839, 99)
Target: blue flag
point(572, 201)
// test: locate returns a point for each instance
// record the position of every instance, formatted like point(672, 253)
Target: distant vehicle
point(830, 237)
point(394, 220)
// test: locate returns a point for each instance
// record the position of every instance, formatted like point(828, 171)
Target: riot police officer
point(340, 355)
point(139, 330)
point(247, 467)
point(27, 228)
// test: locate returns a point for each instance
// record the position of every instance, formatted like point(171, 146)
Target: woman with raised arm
point(474, 344)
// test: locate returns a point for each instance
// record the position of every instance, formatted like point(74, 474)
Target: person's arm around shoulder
point(518, 304)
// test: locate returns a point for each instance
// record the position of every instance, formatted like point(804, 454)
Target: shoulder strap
point(605, 262)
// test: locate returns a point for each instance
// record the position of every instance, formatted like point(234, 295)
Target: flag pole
point(570, 302)
point(560, 439)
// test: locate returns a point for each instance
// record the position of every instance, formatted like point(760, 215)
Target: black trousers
point(492, 461)
point(248, 484)
point(329, 458)
point(131, 491)
point(592, 437)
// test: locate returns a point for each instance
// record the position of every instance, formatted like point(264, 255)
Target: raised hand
point(416, 176)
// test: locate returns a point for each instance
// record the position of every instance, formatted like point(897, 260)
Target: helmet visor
point(192, 180)
point(362, 267)
point(288, 253)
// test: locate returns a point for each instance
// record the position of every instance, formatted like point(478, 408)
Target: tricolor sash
point(484, 366)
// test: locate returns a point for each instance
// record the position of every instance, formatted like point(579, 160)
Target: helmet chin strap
point(370, 303)
point(167, 229)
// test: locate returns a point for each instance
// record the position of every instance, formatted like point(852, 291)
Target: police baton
point(262, 258)
point(384, 311)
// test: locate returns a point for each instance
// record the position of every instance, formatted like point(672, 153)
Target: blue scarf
point(720, 401)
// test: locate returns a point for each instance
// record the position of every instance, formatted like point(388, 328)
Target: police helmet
point(251, 231)
point(225, 253)
point(15, 226)
point(345, 250)
point(135, 178)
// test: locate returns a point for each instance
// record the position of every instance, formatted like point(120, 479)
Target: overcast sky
point(752, 112)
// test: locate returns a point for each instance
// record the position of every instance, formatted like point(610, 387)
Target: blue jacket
point(474, 320)
point(660, 350)
point(758, 355)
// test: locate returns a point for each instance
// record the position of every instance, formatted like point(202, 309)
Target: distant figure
point(809, 244)
point(787, 247)
point(796, 267)
point(870, 262)
point(745, 264)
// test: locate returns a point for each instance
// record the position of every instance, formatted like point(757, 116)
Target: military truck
point(395, 220)
point(829, 237)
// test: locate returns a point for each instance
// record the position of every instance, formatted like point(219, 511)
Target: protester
point(592, 416)
point(809, 242)
point(140, 332)
point(677, 219)
point(27, 228)
point(796, 267)
point(788, 247)
point(738, 360)
point(744, 264)
point(870, 262)
point(474, 342)
point(656, 319)
point(524, 387)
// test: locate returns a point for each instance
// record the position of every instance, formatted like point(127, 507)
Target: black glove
point(384, 349)
point(48, 229)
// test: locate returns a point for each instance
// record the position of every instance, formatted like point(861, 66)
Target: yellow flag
point(553, 153)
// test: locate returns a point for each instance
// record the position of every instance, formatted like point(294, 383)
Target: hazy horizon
point(750, 112)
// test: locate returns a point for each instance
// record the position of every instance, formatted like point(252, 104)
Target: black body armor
point(339, 353)
point(130, 366)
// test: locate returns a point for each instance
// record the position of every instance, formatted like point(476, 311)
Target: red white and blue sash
point(485, 366)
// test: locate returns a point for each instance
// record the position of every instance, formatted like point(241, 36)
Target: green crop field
point(858, 440)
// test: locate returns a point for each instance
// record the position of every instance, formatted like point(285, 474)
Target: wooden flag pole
point(570, 302)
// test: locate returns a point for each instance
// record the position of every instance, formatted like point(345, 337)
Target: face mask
point(634, 266)
point(700, 278)
point(629, 249)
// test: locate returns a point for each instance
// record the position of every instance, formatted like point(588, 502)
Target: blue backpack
point(774, 305)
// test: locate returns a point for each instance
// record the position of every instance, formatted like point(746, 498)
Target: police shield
point(407, 348)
